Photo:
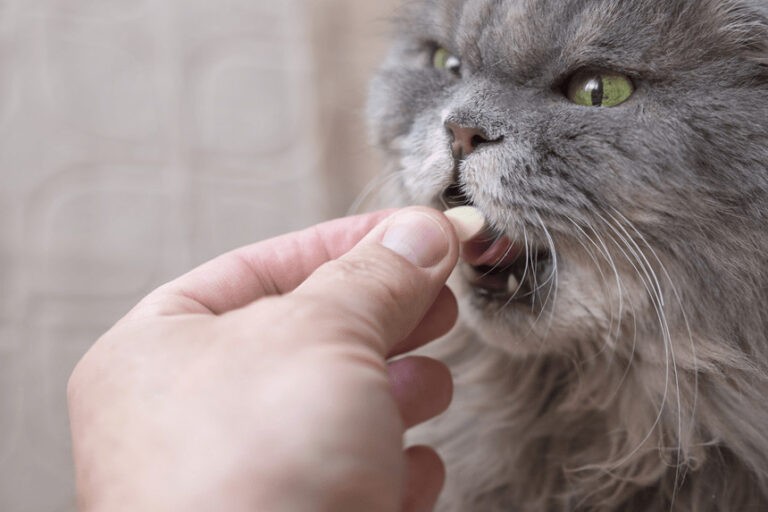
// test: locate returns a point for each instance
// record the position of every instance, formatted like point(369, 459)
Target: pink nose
point(466, 139)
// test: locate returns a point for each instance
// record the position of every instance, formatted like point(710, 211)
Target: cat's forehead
point(516, 18)
point(529, 34)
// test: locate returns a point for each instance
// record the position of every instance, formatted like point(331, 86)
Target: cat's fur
point(640, 382)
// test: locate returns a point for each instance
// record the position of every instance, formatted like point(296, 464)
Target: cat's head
point(618, 149)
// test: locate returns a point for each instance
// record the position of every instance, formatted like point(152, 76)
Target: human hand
point(259, 381)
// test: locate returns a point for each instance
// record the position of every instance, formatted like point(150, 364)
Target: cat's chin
point(493, 314)
point(510, 326)
point(574, 316)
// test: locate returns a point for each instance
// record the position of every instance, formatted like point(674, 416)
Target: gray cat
point(613, 348)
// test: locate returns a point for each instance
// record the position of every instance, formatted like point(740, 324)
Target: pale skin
point(263, 381)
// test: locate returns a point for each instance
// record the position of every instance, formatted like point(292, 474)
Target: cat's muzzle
point(499, 269)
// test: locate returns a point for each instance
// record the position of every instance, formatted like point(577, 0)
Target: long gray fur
point(641, 384)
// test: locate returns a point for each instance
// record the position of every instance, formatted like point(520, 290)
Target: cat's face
point(617, 148)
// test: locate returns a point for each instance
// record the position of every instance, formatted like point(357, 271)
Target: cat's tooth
point(468, 222)
point(513, 284)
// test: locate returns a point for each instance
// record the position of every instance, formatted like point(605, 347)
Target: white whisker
point(647, 281)
point(552, 280)
point(523, 276)
point(679, 301)
point(603, 250)
point(612, 339)
point(372, 188)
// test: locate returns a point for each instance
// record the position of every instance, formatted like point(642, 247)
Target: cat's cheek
point(426, 165)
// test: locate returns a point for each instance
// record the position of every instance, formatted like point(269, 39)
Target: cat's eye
point(595, 89)
point(443, 59)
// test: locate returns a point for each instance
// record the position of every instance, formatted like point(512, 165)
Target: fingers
point(272, 267)
point(379, 292)
point(422, 387)
point(425, 478)
point(438, 322)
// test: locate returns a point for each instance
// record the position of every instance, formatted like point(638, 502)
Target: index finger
point(272, 267)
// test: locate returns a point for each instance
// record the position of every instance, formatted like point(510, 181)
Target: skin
point(262, 380)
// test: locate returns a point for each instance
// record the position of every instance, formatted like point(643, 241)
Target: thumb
point(379, 292)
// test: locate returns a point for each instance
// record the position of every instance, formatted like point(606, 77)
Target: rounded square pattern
point(137, 138)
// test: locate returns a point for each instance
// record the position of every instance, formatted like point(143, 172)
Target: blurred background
point(139, 138)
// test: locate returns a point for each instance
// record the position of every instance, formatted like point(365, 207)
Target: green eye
point(590, 89)
point(443, 59)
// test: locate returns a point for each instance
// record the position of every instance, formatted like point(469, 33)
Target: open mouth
point(500, 269)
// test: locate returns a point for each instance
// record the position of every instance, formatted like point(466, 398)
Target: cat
point(612, 352)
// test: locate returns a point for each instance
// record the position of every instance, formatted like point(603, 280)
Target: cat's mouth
point(499, 269)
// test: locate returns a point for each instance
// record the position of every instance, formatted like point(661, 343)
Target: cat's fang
point(513, 284)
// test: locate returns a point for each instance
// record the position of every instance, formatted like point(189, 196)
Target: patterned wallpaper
point(137, 139)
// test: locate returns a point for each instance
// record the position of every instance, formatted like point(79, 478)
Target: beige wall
point(141, 137)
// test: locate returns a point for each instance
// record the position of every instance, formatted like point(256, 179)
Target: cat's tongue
point(497, 252)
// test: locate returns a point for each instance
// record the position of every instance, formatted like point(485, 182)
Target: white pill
point(468, 222)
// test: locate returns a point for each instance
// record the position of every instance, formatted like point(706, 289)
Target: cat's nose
point(466, 139)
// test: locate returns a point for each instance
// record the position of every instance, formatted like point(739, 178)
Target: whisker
point(665, 323)
point(496, 266)
point(607, 256)
point(528, 250)
point(552, 280)
point(373, 187)
point(686, 322)
point(605, 253)
point(653, 286)
point(523, 276)
point(647, 282)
